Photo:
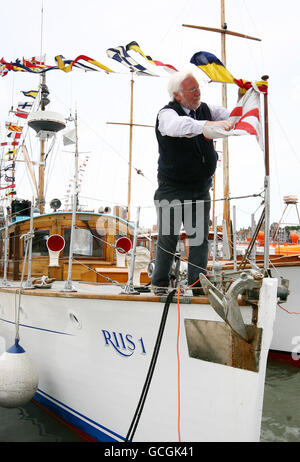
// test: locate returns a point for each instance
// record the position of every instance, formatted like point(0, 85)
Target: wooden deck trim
point(117, 269)
point(124, 297)
point(279, 263)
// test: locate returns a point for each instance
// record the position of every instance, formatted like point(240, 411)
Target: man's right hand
point(225, 124)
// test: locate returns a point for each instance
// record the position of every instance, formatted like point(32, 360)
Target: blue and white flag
point(120, 54)
point(25, 105)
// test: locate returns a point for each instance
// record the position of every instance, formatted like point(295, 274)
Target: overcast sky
point(73, 27)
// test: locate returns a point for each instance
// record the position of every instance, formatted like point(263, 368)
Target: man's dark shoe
point(160, 291)
point(197, 292)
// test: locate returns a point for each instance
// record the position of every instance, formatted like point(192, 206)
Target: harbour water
point(280, 422)
point(281, 410)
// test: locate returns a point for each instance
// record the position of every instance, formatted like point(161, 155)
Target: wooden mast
point(223, 31)
point(131, 125)
point(41, 178)
point(226, 208)
point(41, 189)
point(41, 197)
point(130, 148)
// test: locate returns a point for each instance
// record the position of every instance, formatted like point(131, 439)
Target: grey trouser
point(194, 211)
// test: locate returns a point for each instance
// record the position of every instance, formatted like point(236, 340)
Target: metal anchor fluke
point(226, 304)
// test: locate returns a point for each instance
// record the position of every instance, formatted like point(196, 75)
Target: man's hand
point(225, 124)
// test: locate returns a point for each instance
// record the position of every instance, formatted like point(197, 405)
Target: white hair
point(174, 85)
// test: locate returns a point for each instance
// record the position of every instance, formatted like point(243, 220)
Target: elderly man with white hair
point(186, 164)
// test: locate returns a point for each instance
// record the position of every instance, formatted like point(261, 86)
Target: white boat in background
point(284, 251)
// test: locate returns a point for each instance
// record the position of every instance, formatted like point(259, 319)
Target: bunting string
point(204, 60)
point(246, 116)
point(119, 54)
point(14, 131)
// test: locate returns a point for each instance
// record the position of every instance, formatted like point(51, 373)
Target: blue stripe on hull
point(36, 328)
point(76, 420)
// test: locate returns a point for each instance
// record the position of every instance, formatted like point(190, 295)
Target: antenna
point(42, 27)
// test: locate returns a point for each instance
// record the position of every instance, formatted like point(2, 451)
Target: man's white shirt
point(171, 124)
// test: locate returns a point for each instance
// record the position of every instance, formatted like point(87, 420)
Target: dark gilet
point(186, 162)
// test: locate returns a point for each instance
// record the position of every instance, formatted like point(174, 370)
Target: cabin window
point(85, 244)
point(11, 245)
point(39, 243)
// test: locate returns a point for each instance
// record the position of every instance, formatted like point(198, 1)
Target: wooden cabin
point(94, 253)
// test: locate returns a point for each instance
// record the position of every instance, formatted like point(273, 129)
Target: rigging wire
point(115, 151)
point(51, 164)
point(285, 134)
point(260, 194)
point(249, 53)
point(172, 24)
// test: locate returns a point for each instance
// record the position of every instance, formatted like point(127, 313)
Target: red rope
point(178, 365)
point(289, 312)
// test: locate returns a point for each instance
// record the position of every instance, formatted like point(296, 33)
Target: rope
point(289, 312)
point(178, 361)
point(140, 406)
point(17, 309)
point(178, 364)
point(115, 151)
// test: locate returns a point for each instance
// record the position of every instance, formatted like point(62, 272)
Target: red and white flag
point(21, 113)
point(246, 118)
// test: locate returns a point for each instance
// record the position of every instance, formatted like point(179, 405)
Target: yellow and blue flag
point(67, 65)
point(30, 93)
point(212, 67)
point(135, 46)
point(11, 152)
point(217, 72)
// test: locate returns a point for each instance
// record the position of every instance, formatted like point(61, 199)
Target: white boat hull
point(286, 337)
point(92, 357)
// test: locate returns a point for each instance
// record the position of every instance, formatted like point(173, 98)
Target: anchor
point(226, 304)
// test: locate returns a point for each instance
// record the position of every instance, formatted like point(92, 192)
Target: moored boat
point(285, 265)
point(93, 348)
point(122, 364)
